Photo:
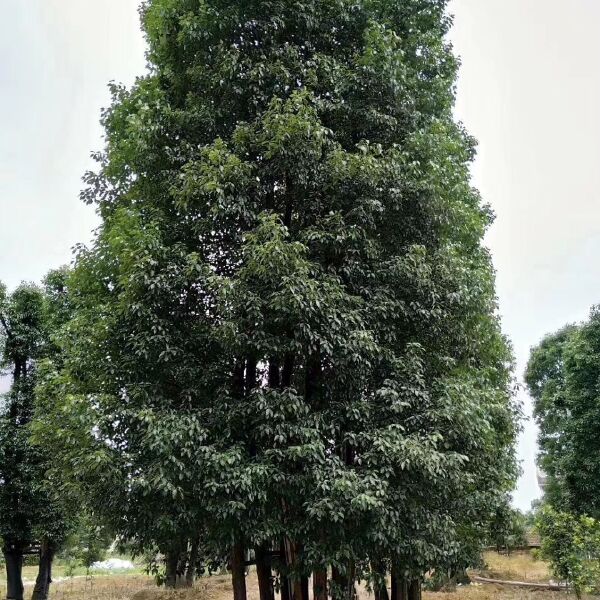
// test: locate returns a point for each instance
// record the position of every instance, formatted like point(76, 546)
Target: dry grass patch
point(519, 566)
point(100, 588)
point(495, 592)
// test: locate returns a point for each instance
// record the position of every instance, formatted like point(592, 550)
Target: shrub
point(571, 544)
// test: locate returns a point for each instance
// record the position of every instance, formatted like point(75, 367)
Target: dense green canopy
point(285, 328)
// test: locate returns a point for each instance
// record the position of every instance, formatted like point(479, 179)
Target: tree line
point(282, 345)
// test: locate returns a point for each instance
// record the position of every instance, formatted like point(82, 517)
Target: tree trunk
point(250, 380)
point(41, 590)
point(298, 585)
point(414, 590)
point(298, 588)
point(344, 583)
point(399, 585)
point(337, 580)
point(190, 574)
point(273, 373)
point(320, 584)
point(13, 557)
point(284, 581)
point(379, 586)
point(304, 587)
point(238, 571)
point(172, 565)
point(263, 572)
point(287, 371)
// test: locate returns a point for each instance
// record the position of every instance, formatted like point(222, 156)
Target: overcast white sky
point(529, 91)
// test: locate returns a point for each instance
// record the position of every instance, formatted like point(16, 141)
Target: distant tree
point(30, 510)
point(507, 529)
point(285, 332)
point(545, 377)
point(562, 377)
point(531, 514)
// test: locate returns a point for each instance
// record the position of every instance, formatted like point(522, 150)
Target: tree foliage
point(31, 511)
point(285, 331)
point(507, 529)
point(562, 377)
point(571, 544)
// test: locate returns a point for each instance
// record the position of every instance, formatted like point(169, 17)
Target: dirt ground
point(519, 566)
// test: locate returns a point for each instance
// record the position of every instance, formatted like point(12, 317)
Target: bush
point(87, 544)
point(507, 530)
point(571, 544)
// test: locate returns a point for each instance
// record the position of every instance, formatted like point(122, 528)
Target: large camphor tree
point(285, 335)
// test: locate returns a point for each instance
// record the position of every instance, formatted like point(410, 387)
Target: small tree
point(572, 546)
point(507, 529)
point(87, 543)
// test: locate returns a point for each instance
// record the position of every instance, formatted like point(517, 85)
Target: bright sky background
point(529, 91)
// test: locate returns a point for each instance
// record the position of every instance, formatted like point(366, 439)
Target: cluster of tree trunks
point(405, 589)
point(14, 554)
point(339, 585)
point(342, 586)
point(180, 566)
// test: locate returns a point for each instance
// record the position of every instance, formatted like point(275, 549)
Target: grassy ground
point(519, 566)
point(59, 572)
point(113, 587)
point(135, 586)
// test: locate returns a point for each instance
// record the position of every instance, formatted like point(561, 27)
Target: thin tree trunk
point(287, 371)
point(13, 557)
point(284, 581)
point(263, 572)
point(250, 380)
point(379, 586)
point(274, 373)
point(351, 579)
point(41, 591)
point(320, 584)
point(341, 583)
point(190, 574)
point(301, 580)
point(238, 571)
point(296, 585)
